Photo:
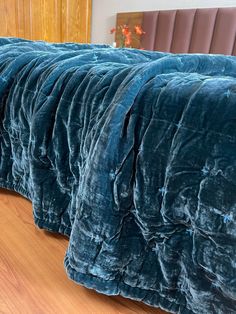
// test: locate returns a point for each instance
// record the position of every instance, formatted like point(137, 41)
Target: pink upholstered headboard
point(191, 31)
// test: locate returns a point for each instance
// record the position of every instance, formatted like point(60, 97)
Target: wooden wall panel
point(52, 13)
point(3, 20)
point(20, 19)
point(50, 20)
point(76, 20)
point(8, 17)
point(36, 19)
point(27, 5)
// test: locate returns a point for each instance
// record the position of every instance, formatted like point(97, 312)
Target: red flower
point(138, 30)
point(113, 30)
point(128, 39)
point(125, 30)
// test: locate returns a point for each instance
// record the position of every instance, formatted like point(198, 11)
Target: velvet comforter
point(132, 154)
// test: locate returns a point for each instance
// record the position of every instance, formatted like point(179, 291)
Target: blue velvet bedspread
point(133, 155)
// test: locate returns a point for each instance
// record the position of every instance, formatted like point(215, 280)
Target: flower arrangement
point(127, 36)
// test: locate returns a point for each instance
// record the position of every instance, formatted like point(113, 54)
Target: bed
point(131, 154)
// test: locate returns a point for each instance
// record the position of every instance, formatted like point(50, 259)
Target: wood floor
point(32, 275)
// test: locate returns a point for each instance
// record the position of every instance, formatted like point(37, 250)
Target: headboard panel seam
point(234, 47)
point(213, 31)
point(192, 30)
point(155, 38)
point(173, 31)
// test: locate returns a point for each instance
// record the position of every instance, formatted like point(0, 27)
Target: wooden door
point(49, 20)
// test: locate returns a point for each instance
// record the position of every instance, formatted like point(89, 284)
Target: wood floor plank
point(32, 275)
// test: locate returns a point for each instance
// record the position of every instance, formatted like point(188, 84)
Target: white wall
point(104, 12)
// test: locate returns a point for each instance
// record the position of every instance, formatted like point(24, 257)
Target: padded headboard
point(189, 31)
